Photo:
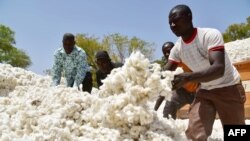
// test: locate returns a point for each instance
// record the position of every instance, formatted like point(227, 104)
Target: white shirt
point(194, 54)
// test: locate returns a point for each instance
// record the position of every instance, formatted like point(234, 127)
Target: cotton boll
point(156, 137)
point(27, 129)
point(115, 83)
point(7, 81)
point(76, 132)
point(12, 110)
point(238, 50)
point(154, 83)
point(4, 92)
point(5, 120)
point(76, 116)
point(69, 123)
point(5, 101)
point(167, 75)
point(178, 71)
point(145, 117)
point(136, 130)
point(155, 67)
point(94, 91)
point(138, 92)
point(5, 137)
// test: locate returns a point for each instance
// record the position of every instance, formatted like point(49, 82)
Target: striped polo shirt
point(194, 53)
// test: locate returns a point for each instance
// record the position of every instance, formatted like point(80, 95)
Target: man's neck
point(190, 35)
point(70, 51)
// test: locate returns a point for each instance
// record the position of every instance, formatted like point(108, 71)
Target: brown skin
point(182, 26)
point(105, 65)
point(68, 45)
point(166, 50)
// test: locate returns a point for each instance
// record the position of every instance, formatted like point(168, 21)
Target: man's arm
point(82, 68)
point(56, 70)
point(158, 102)
point(216, 70)
point(171, 65)
point(98, 79)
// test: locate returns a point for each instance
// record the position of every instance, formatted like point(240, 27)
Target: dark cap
point(102, 55)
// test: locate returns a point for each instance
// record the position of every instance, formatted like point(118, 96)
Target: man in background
point(105, 66)
point(181, 96)
point(71, 60)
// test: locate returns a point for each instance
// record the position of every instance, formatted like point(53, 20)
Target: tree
point(116, 45)
point(237, 31)
point(120, 47)
point(90, 45)
point(10, 54)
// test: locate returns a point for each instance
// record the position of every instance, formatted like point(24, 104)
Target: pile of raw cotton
point(238, 50)
point(32, 110)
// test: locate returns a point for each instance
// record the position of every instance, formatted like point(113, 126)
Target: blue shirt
point(74, 66)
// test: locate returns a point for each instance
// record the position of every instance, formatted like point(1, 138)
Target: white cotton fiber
point(238, 50)
point(30, 109)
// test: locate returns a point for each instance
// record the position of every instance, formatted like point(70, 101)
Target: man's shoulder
point(205, 31)
point(177, 44)
point(59, 51)
point(210, 35)
point(78, 49)
point(117, 64)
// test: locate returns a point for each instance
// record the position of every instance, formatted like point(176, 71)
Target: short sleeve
point(214, 40)
point(175, 53)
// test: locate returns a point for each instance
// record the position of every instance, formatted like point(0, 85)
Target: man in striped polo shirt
point(202, 50)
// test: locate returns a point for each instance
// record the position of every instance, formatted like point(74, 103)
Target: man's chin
point(177, 34)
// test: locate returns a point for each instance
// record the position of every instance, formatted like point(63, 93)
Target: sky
point(40, 24)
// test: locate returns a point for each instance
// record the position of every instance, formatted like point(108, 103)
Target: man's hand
point(180, 80)
point(158, 102)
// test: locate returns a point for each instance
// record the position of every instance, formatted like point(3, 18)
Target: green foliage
point(121, 46)
point(161, 61)
point(237, 31)
point(10, 54)
point(116, 45)
point(90, 45)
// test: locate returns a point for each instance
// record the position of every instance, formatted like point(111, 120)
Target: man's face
point(166, 50)
point(179, 22)
point(104, 64)
point(68, 45)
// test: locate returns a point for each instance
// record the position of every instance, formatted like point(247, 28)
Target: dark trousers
point(87, 83)
point(179, 98)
